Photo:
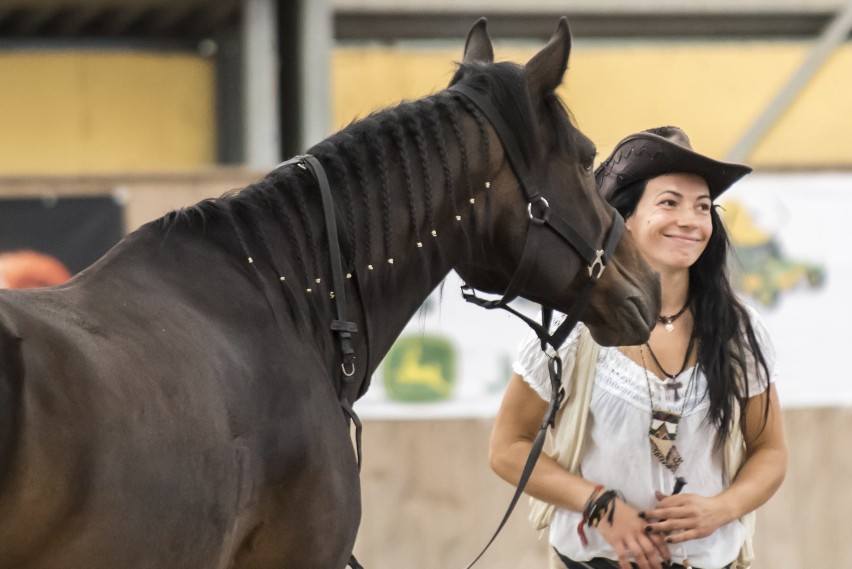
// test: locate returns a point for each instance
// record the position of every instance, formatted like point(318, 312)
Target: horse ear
point(546, 68)
point(478, 45)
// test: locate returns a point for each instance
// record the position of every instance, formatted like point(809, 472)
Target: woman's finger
point(659, 543)
point(681, 537)
point(621, 556)
point(644, 553)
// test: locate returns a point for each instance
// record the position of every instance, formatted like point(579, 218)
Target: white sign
point(806, 218)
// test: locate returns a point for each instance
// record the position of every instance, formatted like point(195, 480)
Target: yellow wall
point(90, 111)
point(713, 90)
point(96, 111)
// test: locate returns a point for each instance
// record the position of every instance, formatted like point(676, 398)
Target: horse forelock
point(505, 84)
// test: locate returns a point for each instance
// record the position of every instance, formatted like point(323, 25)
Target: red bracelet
point(598, 488)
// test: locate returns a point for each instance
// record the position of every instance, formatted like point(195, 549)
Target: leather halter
point(540, 218)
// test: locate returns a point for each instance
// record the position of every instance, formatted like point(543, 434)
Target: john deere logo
point(420, 369)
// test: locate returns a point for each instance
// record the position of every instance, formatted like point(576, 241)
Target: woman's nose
point(686, 217)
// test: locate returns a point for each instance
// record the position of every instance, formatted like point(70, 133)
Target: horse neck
point(402, 184)
point(416, 175)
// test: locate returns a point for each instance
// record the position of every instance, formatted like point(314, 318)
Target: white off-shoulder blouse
point(617, 451)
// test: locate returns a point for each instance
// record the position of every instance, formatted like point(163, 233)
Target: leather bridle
point(540, 219)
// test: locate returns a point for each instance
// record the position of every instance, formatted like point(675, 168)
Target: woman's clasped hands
point(684, 517)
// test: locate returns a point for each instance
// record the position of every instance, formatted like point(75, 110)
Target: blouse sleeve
point(756, 381)
point(532, 361)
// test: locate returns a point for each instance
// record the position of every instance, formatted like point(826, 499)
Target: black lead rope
point(554, 368)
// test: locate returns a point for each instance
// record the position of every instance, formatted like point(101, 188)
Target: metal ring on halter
point(343, 369)
point(545, 216)
point(597, 264)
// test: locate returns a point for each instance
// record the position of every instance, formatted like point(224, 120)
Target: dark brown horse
point(177, 404)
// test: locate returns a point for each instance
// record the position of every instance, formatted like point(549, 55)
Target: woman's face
point(671, 224)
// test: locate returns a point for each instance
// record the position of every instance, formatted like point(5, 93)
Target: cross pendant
point(675, 386)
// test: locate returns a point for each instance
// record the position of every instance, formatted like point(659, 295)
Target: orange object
point(31, 269)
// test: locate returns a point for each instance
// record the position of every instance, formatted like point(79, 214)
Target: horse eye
point(588, 161)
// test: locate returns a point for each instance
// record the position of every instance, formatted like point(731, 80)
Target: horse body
point(178, 404)
point(162, 443)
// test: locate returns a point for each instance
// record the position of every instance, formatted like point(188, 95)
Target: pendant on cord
point(663, 434)
point(668, 321)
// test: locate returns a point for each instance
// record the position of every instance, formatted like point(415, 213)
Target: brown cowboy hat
point(663, 150)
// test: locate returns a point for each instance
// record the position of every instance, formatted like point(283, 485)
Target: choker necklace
point(662, 433)
point(677, 385)
point(668, 321)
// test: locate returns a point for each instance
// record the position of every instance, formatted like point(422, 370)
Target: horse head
point(546, 182)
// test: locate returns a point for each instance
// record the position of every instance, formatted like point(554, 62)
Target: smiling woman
point(694, 405)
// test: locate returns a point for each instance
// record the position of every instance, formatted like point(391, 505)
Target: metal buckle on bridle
point(544, 216)
point(598, 264)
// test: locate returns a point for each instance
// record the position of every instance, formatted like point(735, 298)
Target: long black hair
point(722, 326)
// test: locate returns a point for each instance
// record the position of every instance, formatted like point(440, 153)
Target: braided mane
point(367, 161)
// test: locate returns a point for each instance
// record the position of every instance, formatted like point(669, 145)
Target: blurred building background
point(107, 86)
point(157, 104)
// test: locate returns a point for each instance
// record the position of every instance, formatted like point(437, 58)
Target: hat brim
point(645, 155)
